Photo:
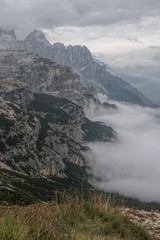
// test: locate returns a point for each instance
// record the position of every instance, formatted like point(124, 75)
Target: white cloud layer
point(130, 166)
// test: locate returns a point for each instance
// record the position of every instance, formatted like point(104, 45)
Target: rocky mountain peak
point(79, 48)
point(59, 45)
point(37, 36)
point(72, 56)
point(92, 72)
point(80, 55)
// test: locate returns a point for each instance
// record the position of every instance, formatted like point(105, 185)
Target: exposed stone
point(42, 75)
point(40, 133)
point(14, 90)
point(149, 220)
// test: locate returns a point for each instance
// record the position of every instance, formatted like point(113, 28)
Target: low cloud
point(130, 166)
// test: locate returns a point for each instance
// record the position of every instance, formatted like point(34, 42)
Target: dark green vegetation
point(5, 122)
point(53, 107)
point(28, 190)
point(42, 134)
point(17, 188)
point(13, 141)
point(97, 131)
point(68, 217)
point(108, 105)
point(16, 110)
point(2, 147)
point(54, 114)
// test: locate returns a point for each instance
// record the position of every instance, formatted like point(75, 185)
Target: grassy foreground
point(68, 218)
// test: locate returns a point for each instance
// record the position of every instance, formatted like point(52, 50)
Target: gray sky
point(117, 31)
point(104, 25)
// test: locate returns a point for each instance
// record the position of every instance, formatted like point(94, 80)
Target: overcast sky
point(118, 32)
point(104, 25)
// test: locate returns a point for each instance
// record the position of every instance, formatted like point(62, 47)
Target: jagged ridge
point(79, 58)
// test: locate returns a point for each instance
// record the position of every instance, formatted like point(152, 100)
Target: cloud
point(130, 166)
point(49, 14)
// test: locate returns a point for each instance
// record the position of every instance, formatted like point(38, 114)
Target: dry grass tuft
point(68, 218)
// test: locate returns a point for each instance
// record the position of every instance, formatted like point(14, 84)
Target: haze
point(130, 166)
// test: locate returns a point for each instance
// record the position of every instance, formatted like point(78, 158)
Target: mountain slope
point(41, 143)
point(42, 75)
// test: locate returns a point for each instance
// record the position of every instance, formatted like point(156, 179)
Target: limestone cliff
point(42, 137)
point(42, 75)
point(39, 136)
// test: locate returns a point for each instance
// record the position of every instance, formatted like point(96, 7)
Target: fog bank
point(130, 166)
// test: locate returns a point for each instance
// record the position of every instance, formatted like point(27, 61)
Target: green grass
point(11, 230)
point(71, 218)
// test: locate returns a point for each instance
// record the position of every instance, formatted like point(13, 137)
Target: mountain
point(79, 58)
point(45, 76)
point(43, 127)
point(42, 75)
point(92, 73)
point(37, 42)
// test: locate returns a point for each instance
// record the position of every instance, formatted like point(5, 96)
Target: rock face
point(97, 76)
point(37, 42)
point(42, 75)
point(79, 58)
point(14, 90)
point(42, 136)
point(149, 220)
point(39, 137)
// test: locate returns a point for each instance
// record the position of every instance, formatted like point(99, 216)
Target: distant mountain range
point(79, 58)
